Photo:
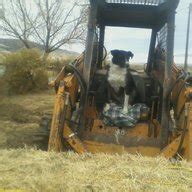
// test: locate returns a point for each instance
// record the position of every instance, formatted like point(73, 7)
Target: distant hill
point(12, 45)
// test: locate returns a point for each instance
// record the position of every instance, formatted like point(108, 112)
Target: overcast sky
point(137, 40)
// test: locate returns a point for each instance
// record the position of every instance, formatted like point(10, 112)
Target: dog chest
point(116, 77)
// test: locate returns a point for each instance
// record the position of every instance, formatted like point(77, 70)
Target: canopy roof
point(134, 13)
point(141, 2)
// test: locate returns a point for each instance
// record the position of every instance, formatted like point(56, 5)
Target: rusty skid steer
point(79, 122)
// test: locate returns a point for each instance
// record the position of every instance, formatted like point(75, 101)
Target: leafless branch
point(52, 23)
point(15, 23)
point(60, 24)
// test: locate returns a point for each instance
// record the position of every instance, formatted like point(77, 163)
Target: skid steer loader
point(79, 122)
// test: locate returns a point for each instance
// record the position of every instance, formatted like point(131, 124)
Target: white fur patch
point(117, 77)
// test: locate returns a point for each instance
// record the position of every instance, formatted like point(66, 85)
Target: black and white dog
point(120, 76)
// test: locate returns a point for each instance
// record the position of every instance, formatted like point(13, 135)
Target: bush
point(25, 72)
point(2, 86)
point(57, 64)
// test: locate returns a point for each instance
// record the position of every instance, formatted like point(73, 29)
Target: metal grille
point(142, 2)
point(162, 37)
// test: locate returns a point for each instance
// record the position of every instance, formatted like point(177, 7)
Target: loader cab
point(156, 15)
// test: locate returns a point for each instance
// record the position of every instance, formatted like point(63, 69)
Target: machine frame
point(153, 138)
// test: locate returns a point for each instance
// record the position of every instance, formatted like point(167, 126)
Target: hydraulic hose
point(79, 77)
point(105, 53)
point(175, 83)
point(83, 86)
point(168, 95)
point(184, 130)
point(181, 88)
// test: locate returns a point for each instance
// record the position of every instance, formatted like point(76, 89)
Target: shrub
point(2, 86)
point(25, 71)
point(57, 64)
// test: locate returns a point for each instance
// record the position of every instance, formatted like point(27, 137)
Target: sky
point(137, 40)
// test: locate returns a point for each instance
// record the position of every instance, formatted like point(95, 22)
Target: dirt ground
point(23, 119)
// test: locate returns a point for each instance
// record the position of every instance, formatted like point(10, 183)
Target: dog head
point(121, 58)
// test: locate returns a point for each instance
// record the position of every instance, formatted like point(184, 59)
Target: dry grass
point(34, 170)
point(20, 117)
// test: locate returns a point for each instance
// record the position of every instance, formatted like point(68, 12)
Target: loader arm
point(61, 135)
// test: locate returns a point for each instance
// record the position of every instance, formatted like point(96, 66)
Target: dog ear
point(130, 55)
point(114, 52)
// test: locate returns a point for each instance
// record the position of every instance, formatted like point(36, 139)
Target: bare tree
point(51, 23)
point(14, 20)
point(59, 23)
